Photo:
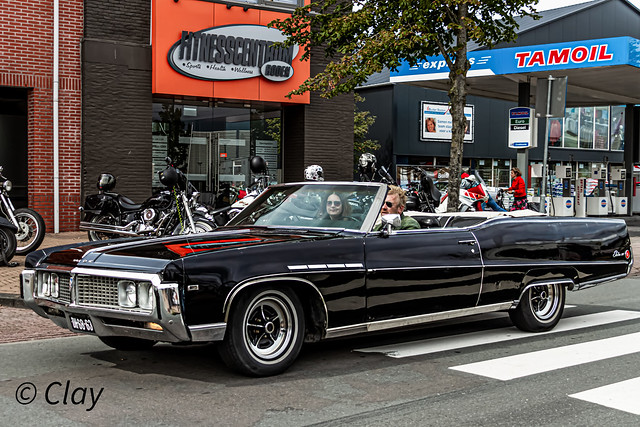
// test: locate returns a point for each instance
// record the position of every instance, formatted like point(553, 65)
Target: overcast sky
point(553, 4)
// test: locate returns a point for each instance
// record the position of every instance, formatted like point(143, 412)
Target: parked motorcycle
point(29, 223)
point(174, 210)
point(8, 242)
point(260, 183)
point(423, 195)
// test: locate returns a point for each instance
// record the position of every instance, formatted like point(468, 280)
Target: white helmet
point(313, 173)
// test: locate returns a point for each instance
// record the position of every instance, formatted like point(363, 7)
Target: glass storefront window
point(213, 144)
point(571, 128)
point(555, 132)
point(617, 128)
point(601, 129)
point(586, 127)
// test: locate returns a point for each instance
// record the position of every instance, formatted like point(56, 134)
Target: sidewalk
point(10, 276)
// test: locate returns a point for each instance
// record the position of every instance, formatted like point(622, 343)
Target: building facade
point(123, 104)
point(40, 109)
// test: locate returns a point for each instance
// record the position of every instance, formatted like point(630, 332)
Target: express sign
point(556, 56)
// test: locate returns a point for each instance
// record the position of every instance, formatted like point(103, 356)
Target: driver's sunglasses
point(334, 202)
point(389, 204)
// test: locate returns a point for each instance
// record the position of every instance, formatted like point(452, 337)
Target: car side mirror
point(389, 222)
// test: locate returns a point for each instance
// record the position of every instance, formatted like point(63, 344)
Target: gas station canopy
point(600, 72)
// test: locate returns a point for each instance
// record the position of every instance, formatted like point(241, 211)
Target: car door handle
point(466, 242)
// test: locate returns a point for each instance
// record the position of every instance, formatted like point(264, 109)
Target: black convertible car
point(284, 271)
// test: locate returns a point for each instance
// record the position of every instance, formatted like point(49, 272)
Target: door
point(421, 271)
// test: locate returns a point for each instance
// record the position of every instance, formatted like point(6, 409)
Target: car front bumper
point(163, 322)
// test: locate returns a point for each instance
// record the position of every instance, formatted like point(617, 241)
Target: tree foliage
point(362, 120)
point(364, 36)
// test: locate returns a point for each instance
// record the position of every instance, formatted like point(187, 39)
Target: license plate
point(81, 323)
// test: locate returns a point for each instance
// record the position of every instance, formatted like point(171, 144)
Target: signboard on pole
point(522, 128)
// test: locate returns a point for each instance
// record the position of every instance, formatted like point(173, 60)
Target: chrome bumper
point(163, 323)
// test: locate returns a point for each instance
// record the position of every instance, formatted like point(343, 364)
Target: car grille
point(64, 294)
point(94, 291)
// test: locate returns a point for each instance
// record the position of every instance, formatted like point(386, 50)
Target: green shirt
point(406, 223)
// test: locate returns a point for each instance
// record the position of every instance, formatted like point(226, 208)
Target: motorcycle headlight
point(127, 293)
point(7, 185)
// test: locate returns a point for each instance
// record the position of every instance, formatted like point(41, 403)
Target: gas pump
point(619, 199)
point(563, 205)
point(598, 203)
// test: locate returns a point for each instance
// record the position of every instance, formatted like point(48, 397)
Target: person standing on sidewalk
point(519, 191)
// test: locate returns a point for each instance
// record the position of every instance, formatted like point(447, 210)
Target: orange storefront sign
point(207, 50)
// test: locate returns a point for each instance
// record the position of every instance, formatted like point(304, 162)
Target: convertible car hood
point(155, 253)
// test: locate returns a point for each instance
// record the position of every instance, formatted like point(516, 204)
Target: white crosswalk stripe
point(435, 345)
point(622, 396)
point(536, 362)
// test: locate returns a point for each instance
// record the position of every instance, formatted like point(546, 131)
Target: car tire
point(265, 332)
point(540, 308)
point(128, 343)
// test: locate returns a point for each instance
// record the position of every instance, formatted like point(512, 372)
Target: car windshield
point(310, 205)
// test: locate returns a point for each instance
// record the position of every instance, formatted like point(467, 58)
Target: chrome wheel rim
point(544, 301)
point(26, 223)
point(269, 327)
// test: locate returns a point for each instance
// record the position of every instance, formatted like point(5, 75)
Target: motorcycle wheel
point(101, 235)
point(31, 230)
point(8, 244)
point(202, 226)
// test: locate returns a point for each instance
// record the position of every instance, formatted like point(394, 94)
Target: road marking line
point(622, 396)
point(436, 345)
point(536, 362)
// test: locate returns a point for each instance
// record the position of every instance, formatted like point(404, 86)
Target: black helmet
point(168, 177)
point(106, 182)
point(258, 165)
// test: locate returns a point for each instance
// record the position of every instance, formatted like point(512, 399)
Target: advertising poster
point(437, 122)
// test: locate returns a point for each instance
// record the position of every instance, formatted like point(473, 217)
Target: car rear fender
point(566, 276)
point(316, 313)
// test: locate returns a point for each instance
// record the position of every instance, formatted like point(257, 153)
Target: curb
point(10, 300)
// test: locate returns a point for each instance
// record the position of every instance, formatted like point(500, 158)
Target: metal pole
point(545, 155)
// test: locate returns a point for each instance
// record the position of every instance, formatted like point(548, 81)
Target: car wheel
point(540, 308)
point(264, 332)
point(128, 343)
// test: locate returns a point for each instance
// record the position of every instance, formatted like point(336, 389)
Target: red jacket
point(518, 187)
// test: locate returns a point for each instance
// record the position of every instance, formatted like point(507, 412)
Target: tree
point(362, 120)
point(365, 36)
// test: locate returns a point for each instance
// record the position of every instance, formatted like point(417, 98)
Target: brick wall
point(26, 60)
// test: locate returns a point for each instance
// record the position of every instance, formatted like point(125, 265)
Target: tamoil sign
point(548, 57)
point(522, 128)
point(233, 52)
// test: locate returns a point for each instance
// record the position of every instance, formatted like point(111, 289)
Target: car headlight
point(127, 293)
point(145, 296)
point(7, 185)
point(49, 285)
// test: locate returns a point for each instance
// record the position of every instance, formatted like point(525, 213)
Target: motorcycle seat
point(431, 189)
point(128, 204)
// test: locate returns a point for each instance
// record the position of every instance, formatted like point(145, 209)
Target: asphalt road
point(461, 373)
